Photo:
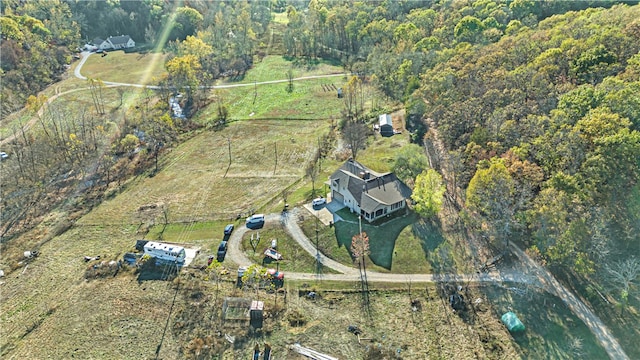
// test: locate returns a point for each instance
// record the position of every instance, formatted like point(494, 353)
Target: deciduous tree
point(355, 134)
point(410, 162)
point(491, 195)
point(428, 193)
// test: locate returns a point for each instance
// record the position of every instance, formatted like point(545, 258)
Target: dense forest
point(537, 102)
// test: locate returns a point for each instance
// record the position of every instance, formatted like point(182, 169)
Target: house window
point(396, 205)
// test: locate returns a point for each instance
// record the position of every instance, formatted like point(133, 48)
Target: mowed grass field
point(122, 67)
point(277, 67)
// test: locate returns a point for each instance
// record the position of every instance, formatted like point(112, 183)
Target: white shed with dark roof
point(386, 125)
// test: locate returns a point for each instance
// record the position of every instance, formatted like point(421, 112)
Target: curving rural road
point(85, 55)
point(348, 273)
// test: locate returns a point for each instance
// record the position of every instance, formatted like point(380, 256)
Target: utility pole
point(319, 155)
point(229, 141)
point(318, 262)
point(255, 92)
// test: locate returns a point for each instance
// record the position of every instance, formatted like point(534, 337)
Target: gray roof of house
point(379, 189)
point(122, 39)
point(97, 41)
point(385, 119)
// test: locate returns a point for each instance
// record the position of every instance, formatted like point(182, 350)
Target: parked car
point(3, 155)
point(222, 251)
point(228, 229)
point(255, 221)
point(318, 202)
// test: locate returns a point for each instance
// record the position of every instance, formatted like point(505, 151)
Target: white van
point(255, 219)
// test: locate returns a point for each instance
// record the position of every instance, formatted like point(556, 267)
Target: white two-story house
point(367, 193)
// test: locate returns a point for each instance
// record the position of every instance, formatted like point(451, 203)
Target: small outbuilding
point(385, 124)
point(256, 314)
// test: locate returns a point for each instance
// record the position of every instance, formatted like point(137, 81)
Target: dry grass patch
point(125, 68)
point(196, 182)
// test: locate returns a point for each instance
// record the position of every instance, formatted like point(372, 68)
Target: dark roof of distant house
point(372, 191)
point(122, 39)
point(97, 41)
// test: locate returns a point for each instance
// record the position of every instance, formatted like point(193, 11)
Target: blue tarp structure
point(512, 322)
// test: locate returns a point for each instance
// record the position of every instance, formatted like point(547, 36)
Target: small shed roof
point(385, 119)
point(257, 305)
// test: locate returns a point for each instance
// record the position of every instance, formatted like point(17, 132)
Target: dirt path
point(597, 327)
point(436, 151)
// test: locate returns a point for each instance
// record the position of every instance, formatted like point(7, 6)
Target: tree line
point(536, 103)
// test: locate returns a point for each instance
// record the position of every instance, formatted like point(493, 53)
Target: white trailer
point(165, 252)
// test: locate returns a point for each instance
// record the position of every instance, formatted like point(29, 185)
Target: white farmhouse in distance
point(112, 43)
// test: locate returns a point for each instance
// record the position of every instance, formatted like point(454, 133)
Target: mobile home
point(165, 252)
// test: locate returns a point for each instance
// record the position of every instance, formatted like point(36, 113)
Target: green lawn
point(327, 242)
point(208, 234)
point(552, 330)
point(308, 101)
point(295, 258)
point(276, 67)
point(126, 68)
point(381, 152)
point(392, 244)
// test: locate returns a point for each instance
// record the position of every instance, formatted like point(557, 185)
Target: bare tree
point(285, 194)
point(623, 278)
point(359, 251)
point(121, 90)
point(290, 81)
point(164, 208)
point(312, 173)
point(95, 87)
point(355, 135)
point(223, 112)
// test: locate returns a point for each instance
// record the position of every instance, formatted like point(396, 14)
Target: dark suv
point(228, 229)
point(222, 251)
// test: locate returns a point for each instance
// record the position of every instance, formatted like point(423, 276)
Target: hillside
point(525, 113)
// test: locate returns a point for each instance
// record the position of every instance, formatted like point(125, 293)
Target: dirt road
point(85, 55)
point(597, 327)
point(436, 151)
